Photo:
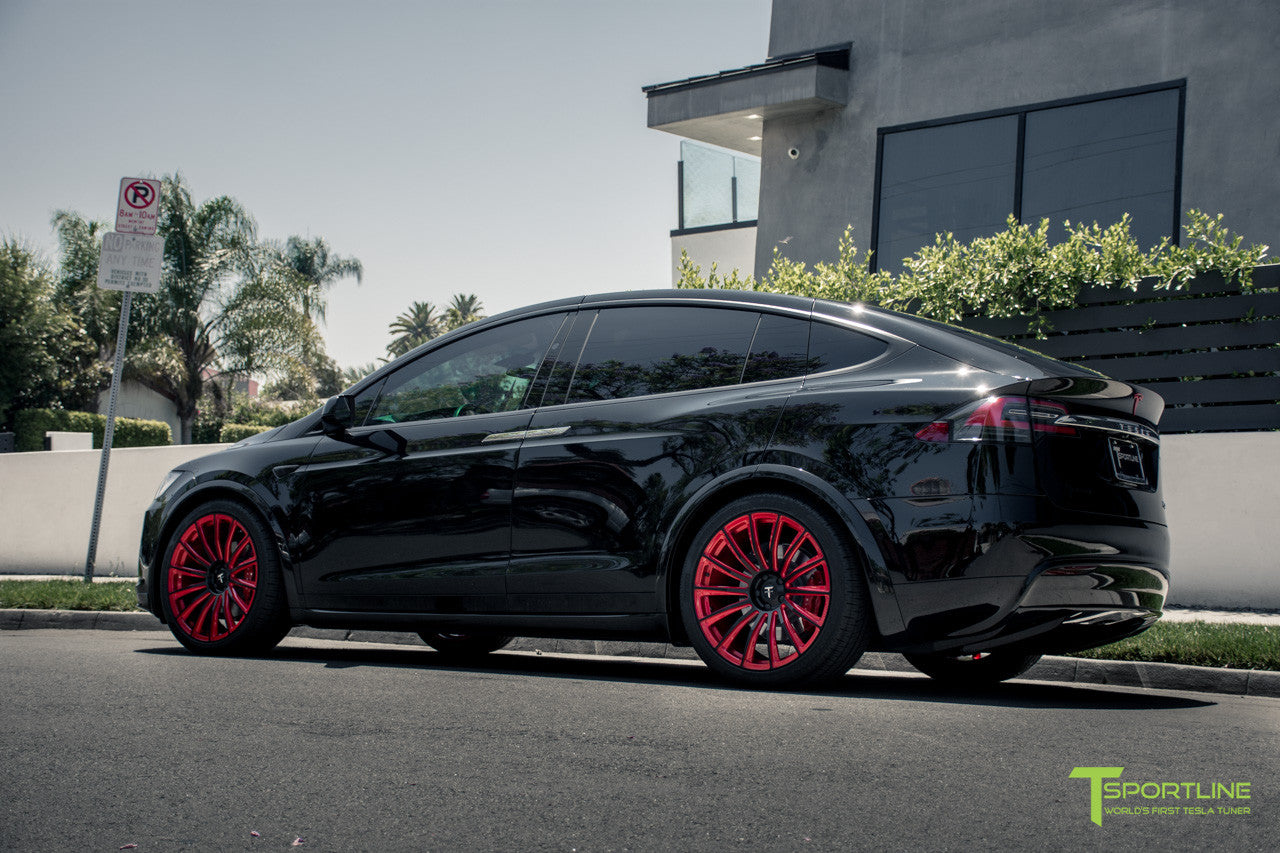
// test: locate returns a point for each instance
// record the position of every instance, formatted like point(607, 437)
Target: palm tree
point(352, 375)
point(220, 309)
point(414, 327)
point(312, 260)
point(465, 308)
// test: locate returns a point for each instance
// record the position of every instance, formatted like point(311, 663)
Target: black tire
point(463, 646)
point(790, 611)
point(974, 670)
point(219, 582)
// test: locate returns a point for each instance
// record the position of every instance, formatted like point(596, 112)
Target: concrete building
point(909, 117)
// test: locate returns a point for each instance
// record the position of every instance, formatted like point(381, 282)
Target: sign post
point(130, 260)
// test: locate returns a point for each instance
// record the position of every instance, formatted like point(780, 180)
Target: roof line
point(835, 56)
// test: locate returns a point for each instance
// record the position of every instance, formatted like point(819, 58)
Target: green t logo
point(1095, 775)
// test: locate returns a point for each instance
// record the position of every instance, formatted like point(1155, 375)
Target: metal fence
point(1211, 350)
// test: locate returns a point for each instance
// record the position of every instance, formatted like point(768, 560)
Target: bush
point(30, 425)
point(231, 433)
point(207, 429)
point(1015, 273)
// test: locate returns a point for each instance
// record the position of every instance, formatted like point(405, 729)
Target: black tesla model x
point(780, 482)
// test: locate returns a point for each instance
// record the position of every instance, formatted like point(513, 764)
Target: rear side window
point(779, 350)
point(633, 351)
point(833, 347)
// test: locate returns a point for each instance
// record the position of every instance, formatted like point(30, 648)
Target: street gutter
point(1154, 676)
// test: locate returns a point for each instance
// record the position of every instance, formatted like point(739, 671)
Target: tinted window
point(957, 177)
point(557, 387)
point(780, 349)
point(489, 371)
point(636, 351)
point(1095, 162)
point(365, 401)
point(832, 347)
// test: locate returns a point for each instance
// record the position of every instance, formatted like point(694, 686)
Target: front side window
point(634, 351)
point(489, 371)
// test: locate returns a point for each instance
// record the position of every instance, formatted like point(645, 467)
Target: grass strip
point(68, 595)
point(1220, 644)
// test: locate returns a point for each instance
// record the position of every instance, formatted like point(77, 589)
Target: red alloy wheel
point(762, 590)
point(212, 577)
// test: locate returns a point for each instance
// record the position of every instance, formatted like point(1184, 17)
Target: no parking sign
point(138, 207)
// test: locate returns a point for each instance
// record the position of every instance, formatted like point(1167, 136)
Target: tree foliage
point(414, 327)
point(423, 321)
point(226, 306)
point(320, 268)
point(464, 308)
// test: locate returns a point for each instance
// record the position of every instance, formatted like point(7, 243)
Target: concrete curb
point(1155, 676)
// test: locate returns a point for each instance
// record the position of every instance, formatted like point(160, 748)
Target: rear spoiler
point(1103, 396)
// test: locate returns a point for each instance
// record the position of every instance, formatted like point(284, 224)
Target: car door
point(643, 409)
point(411, 510)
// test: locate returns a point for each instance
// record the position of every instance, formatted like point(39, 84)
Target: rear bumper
point(1064, 609)
point(1061, 582)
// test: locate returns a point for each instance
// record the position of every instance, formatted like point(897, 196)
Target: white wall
point(1223, 494)
point(46, 506)
point(1222, 491)
point(138, 401)
point(730, 249)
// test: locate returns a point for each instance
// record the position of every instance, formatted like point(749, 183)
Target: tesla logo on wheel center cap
point(766, 591)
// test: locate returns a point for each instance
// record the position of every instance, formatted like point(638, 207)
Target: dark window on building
point(833, 347)
point(957, 177)
point(489, 371)
point(636, 351)
point(1086, 160)
point(1095, 162)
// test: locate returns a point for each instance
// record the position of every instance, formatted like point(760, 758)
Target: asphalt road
point(116, 738)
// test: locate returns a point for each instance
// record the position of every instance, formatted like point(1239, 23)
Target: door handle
point(545, 432)
point(517, 435)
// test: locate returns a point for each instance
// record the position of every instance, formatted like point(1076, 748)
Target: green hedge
point(30, 425)
point(231, 433)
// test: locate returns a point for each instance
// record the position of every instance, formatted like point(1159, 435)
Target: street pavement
point(113, 738)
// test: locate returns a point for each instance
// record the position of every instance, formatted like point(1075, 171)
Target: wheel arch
point(793, 482)
point(222, 490)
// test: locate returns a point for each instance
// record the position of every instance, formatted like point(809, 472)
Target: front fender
point(202, 491)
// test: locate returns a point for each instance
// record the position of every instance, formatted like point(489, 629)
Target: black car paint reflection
point(582, 528)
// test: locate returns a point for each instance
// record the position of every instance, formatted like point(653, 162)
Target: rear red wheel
point(220, 582)
point(771, 594)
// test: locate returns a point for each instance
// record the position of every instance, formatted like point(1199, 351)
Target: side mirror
point(338, 415)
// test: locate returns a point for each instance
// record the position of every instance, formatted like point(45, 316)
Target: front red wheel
point(212, 577)
point(771, 594)
point(220, 582)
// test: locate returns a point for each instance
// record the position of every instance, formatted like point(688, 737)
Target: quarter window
point(489, 371)
point(833, 347)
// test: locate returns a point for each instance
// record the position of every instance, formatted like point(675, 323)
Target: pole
point(108, 435)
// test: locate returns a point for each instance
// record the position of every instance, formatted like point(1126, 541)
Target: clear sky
point(478, 146)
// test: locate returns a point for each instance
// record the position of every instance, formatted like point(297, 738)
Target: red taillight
point(999, 419)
